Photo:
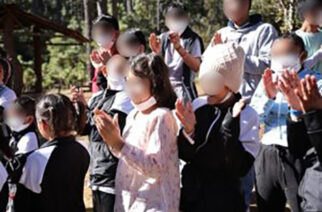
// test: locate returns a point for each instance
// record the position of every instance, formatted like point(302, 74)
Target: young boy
point(253, 35)
point(105, 33)
point(276, 176)
point(131, 43)
point(219, 141)
point(112, 100)
point(310, 12)
point(181, 48)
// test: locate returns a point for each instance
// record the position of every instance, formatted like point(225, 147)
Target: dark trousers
point(103, 202)
point(276, 179)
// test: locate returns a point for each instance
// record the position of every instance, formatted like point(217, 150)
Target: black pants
point(276, 179)
point(4, 197)
point(103, 202)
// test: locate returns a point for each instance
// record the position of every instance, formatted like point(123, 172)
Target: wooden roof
point(23, 19)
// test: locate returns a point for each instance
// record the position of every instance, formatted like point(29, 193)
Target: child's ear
point(303, 56)
point(29, 119)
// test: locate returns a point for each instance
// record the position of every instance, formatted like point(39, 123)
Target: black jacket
point(51, 178)
point(222, 153)
point(305, 142)
point(103, 163)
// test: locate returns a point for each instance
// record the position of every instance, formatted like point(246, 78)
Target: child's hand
point(288, 83)
point(309, 95)
point(109, 129)
point(175, 40)
point(269, 85)
point(104, 57)
point(95, 57)
point(78, 95)
point(155, 43)
point(217, 39)
point(238, 107)
point(186, 116)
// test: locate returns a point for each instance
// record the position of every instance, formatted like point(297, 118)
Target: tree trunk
point(129, 6)
point(38, 46)
point(87, 17)
point(17, 82)
point(158, 16)
point(101, 7)
point(114, 8)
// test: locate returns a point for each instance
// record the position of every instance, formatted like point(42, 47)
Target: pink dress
point(148, 176)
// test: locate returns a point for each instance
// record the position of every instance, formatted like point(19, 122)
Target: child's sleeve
point(152, 160)
point(314, 59)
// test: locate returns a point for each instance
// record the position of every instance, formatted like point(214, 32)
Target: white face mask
point(177, 26)
point(16, 124)
point(288, 62)
point(115, 80)
point(146, 104)
point(105, 41)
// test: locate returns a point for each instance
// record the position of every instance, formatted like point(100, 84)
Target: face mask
point(16, 124)
point(146, 104)
point(115, 81)
point(287, 62)
point(129, 52)
point(104, 40)
point(177, 26)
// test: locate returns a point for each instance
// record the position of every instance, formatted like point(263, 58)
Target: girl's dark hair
point(5, 65)
point(176, 9)
point(151, 67)
point(61, 114)
point(296, 40)
point(25, 104)
point(106, 21)
point(308, 5)
point(133, 36)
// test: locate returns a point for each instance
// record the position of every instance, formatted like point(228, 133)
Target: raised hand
point(309, 95)
point(288, 84)
point(217, 39)
point(109, 129)
point(175, 40)
point(95, 57)
point(238, 107)
point(155, 43)
point(270, 87)
point(77, 95)
point(104, 57)
point(186, 116)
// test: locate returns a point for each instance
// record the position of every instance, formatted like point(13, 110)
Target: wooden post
point(38, 46)
point(17, 82)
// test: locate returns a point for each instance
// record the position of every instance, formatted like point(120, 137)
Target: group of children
point(154, 145)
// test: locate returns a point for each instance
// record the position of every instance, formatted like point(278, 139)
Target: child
point(52, 177)
point(305, 135)
point(7, 95)
point(219, 140)
point(148, 171)
point(112, 100)
point(131, 43)
point(181, 48)
point(105, 33)
point(20, 118)
point(277, 184)
point(310, 12)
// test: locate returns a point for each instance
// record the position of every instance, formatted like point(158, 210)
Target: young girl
point(52, 177)
point(148, 171)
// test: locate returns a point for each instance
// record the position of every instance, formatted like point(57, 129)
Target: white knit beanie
point(222, 65)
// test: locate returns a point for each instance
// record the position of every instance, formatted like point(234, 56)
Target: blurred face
point(139, 89)
point(104, 36)
point(17, 120)
point(130, 50)
point(176, 23)
point(314, 17)
point(220, 96)
point(286, 55)
point(237, 11)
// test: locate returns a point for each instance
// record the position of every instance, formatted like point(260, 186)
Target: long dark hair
point(61, 114)
point(151, 67)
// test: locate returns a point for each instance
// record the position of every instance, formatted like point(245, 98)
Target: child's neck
point(309, 28)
